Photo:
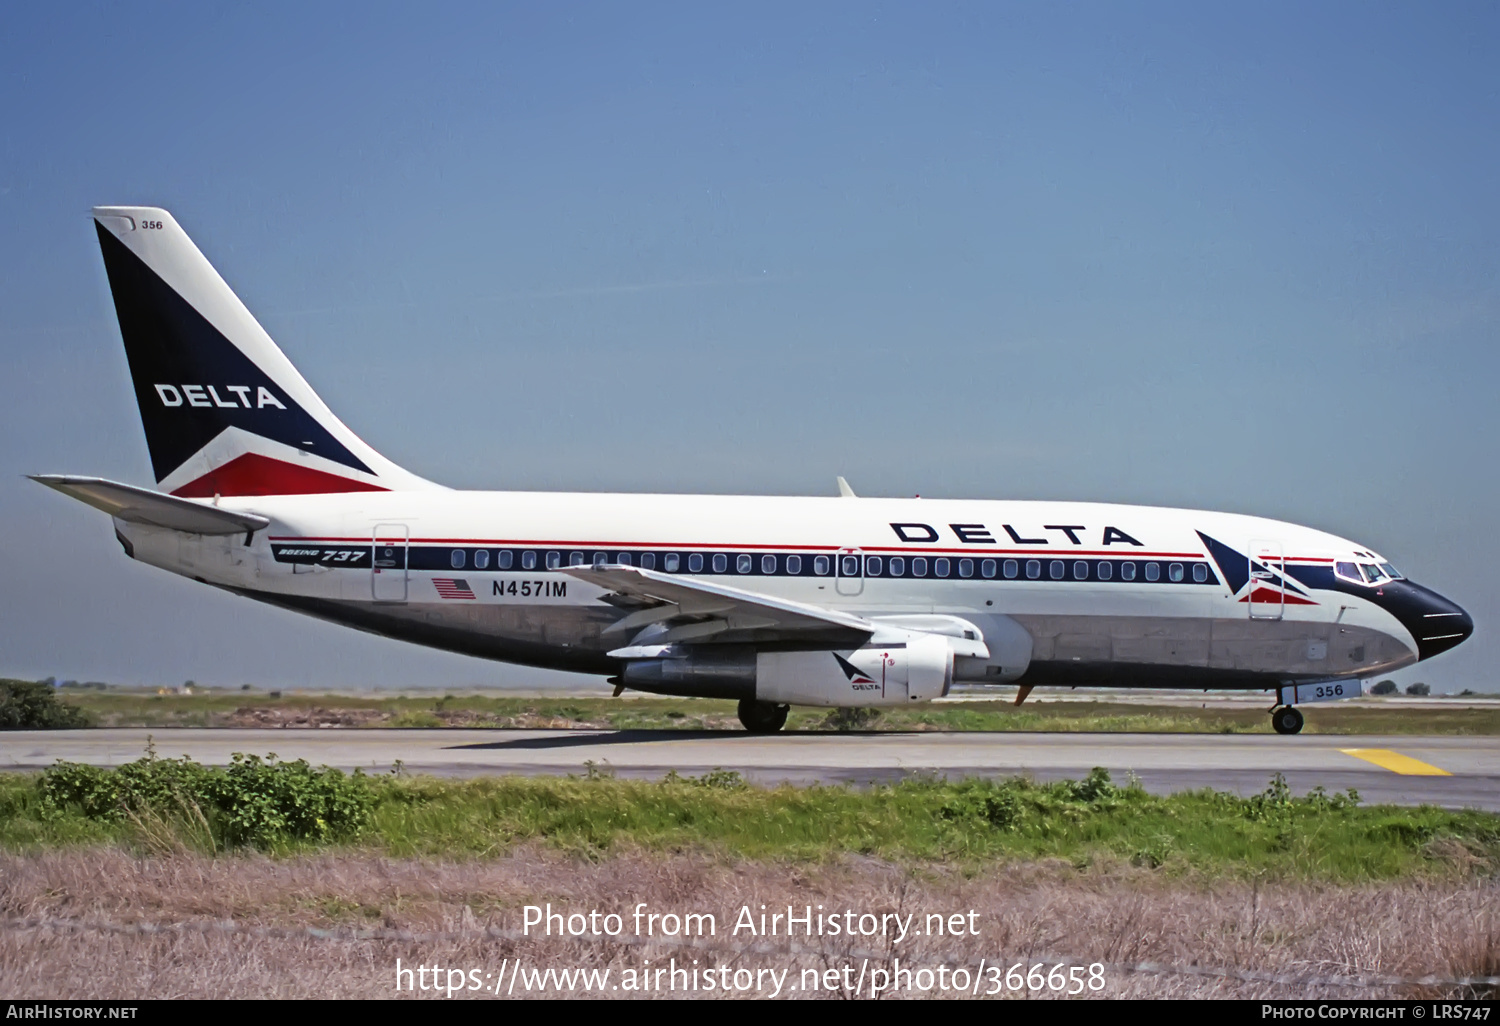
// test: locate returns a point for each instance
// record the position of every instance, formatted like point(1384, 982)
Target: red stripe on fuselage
point(253, 474)
point(724, 546)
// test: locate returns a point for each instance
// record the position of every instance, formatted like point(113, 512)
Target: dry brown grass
point(1112, 914)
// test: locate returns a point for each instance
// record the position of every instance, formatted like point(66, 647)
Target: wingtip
point(58, 480)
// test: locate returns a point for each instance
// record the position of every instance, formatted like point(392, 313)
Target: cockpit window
point(1391, 571)
point(1349, 572)
point(1372, 573)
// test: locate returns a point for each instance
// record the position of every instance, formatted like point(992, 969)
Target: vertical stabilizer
point(224, 410)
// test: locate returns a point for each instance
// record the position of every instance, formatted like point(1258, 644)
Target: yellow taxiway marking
point(1396, 762)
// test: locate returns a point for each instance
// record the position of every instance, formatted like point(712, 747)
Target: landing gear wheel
point(762, 717)
point(1287, 720)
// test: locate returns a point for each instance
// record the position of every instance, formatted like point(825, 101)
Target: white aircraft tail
point(225, 412)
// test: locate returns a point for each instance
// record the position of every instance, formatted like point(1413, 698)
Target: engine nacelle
point(916, 670)
point(895, 667)
point(988, 648)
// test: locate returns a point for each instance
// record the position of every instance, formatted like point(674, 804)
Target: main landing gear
point(1286, 719)
point(762, 717)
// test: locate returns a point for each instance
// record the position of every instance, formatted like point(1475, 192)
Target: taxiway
point(1453, 772)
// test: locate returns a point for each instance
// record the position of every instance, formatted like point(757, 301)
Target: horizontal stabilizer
point(144, 506)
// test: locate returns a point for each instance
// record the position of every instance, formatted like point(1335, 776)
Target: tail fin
point(225, 412)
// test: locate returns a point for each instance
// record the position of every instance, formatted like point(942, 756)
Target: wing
point(686, 609)
point(144, 506)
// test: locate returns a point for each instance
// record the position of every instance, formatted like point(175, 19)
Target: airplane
point(771, 601)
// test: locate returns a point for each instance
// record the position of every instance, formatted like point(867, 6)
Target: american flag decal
point(452, 588)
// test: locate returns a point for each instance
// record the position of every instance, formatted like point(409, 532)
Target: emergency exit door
point(849, 569)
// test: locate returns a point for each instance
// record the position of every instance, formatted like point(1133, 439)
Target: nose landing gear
point(1286, 719)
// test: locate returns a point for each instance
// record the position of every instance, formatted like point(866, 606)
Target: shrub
point(1094, 787)
point(1013, 804)
point(33, 705)
point(722, 779)
point(981, 801)
point(1274, 801)
point(1418, 689)
point(1385, 687)
point(257, 802)
point(717, 778)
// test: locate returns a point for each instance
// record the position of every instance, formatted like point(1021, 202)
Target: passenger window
point(648, 561)
point(872, 566)
point(1080, 570)
point(1348, 571)
point(1200, 572)
point(504, 559)
point(456, 560)
point(820, 565)
point(1153, 572)
point(1010, 569)
point(966, 568)
point(1127, 571)
point(554, 560)
point(919, 566)
point(1106, 571)
point(1174, 572)
point(940, 567)
point(1055, 569)
point(850, 566)
point(672, 562)
point(623, 559)
point(987, 569)
point(481, 559)
point(794, 564)
point(898, 566)
point(576, 559)
point(1033, 569)
point(768, 564)
point(721, 562)
point(528, 560)
point(695, 563)
point(600, 558)
point(743, 563)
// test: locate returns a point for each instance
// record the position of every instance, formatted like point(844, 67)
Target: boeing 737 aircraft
point(772, 601)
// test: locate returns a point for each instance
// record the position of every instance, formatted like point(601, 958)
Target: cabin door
point(1267, 581)
point(388, 567)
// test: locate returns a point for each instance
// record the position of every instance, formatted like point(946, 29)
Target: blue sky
point(1234, 257)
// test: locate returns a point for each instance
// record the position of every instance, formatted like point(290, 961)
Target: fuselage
point(1062, 593)
point(771, 601)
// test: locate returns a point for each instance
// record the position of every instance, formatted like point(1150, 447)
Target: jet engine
point(906, 667)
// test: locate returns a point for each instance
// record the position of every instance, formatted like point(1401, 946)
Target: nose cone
point(1436, 623)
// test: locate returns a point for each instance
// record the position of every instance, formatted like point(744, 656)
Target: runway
point(1454, 772)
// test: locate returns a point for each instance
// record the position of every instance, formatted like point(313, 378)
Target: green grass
point(123, 708)
point(973, 824)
